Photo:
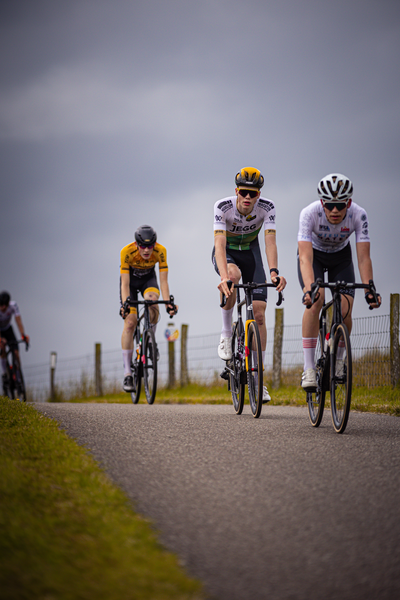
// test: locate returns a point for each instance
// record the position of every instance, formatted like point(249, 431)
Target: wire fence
point(75, 377)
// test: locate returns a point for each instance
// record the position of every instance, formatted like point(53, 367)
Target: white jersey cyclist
point(327, 237)
point(242, 230)
point(11, 311)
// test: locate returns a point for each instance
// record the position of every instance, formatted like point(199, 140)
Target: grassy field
point(378, 400)
point(66, 532)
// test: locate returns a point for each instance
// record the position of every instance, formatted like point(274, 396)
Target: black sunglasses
point(331, 205)
point(252, 193)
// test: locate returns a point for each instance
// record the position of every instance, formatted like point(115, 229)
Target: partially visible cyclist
point(324, 246)
point(238, 219)
point(8, 310)
point(138, 261)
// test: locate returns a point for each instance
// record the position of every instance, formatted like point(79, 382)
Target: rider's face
point(336, 216)
point(3, 308)
point(244, 203)
point(145, 251)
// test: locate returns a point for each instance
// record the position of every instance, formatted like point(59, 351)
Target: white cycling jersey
point(314, 227)
point(240, 229)
point(5, 317)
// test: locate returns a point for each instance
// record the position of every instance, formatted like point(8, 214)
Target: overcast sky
point(115, 114)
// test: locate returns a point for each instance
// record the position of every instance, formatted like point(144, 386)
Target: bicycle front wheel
point(237, 365)
point(255, 369)
point(149, 359)
point(341, 378)
point(20, 384)
point(316, 400)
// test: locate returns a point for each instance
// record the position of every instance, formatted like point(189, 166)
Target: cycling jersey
point(5, 317)
point(314, 227)
point(134, 264)
point(242, 230)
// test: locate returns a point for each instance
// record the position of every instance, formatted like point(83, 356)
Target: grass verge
point(377, 400)
point(66, 532)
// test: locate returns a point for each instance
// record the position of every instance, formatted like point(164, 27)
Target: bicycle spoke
point(316, 400)
point(255, 370)
point(149, 359)
point(237, 366)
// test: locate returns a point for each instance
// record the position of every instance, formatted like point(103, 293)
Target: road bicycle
point(145, 351)
point(13, 379)
point(333, 361)
point(246, 366)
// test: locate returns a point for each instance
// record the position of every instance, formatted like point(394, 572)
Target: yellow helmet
point(249, 177)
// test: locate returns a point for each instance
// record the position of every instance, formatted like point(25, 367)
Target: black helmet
point(249, 177)
point(145, 236)
point(5, 299)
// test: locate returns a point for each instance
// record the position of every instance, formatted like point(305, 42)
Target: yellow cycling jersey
point(132, 262)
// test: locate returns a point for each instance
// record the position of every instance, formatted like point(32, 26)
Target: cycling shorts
point(147, 283)
point(9, 335)
point(338, 265)
point(251, 266)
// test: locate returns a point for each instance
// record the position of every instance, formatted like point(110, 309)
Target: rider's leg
point(234, 275)
point(130, 323)
point(153, 294)
point(310, 329)
point(259, 307)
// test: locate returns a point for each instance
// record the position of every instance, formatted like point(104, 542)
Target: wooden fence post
point(97, 370)
point(394, 340)
point(278, 343)
point(53, 362)
point(184, 365)
point(171, 365)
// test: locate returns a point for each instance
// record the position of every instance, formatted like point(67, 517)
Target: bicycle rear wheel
point(316, 400)
point(19, 384)
point(149, 359)
point(255, 369)
point(137, 372)
point(341, 378)
point(8, 383)
point(238, 367)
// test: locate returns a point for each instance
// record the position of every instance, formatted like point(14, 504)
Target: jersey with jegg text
point(242, 230)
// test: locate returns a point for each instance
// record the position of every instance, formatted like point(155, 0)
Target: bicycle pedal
point(224, 375)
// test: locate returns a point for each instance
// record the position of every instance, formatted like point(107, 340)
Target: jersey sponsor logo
point(365, 225)
point(250, 218)
point(344, 229)
point(240, 228)
point(272, 218)
point(324, 228)
point(218, 218)
point(363, 217)
point(267, 206)
point(225, 205)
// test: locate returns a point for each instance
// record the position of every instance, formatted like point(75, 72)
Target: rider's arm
point(125, 279)
point(222, 264)
point(271, 251)
point(306, 256)
point(164, 285)
point(365, 265)
point(18, 321)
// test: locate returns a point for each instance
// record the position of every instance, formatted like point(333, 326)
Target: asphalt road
point(258, 509)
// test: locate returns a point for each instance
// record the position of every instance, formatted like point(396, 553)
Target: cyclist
point(238, 220)
point(138, 260)
point(8, 310)
point(324, 246)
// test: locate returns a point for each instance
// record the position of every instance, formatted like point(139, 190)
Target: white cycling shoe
point(309, 380)
point(266, 396)
point(225, 348)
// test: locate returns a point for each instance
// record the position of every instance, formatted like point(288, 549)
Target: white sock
point(127, 358)
point(309, 345)
point(226, 323)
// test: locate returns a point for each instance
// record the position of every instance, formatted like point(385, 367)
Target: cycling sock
point(226, 323)
point(127, 358)
point(309, 345)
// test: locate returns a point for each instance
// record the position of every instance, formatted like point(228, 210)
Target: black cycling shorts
point(251, 266)
point(9, 335)
point(338, 265)
point(147, 283)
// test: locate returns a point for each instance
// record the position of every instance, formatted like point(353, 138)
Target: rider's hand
point(26, 338)
point(369, 297)
point(282, 283)
point(172, 309)
point(307, 299)
point(223, 287)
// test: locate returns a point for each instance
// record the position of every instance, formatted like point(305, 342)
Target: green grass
point(66, 532)
point(378, 400)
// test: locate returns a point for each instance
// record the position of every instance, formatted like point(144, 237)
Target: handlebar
point(335, 286)
point(22, 341)
point(128, 303)
point(253, 286)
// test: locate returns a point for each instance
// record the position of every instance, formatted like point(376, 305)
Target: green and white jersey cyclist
point(238, 221)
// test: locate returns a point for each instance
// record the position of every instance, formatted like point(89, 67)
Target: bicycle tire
point(8, 385)
point(238, 366)
point(255, 369)
point(19, 384)
point(149, 360)
point(316, 400)
point(136, 369)
point(341, 378)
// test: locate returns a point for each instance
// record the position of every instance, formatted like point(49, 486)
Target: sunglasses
point(252, 193)
point(331, 205)
point(147, 247)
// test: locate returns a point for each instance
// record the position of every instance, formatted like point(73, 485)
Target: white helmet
point(335, 188)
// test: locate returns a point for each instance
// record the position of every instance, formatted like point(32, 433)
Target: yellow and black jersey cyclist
point(137, 274)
